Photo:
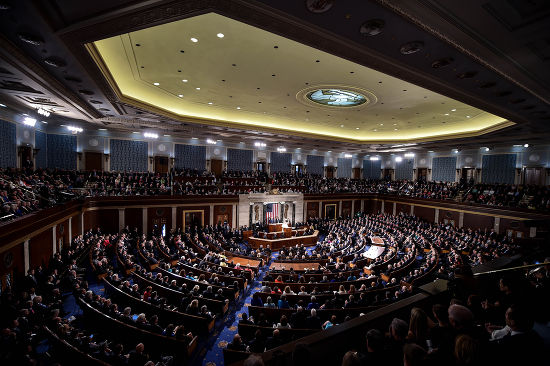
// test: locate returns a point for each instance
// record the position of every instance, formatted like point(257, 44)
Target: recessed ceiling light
point(156, 84)
point(166, 135)
point(44, 122)
point(395, 129)
point(194, 138)
point(430, 151)
point(526, 145)
point(180, 95)
point(185, 80)
point(135, 132)
point(220, 35)
point(341, 125)
point(194, 40)
point(238, 107)
point(356, 128)
point(198, 88)
point(102, 129)
point(375, 130)
point(210, 103)
point(446, 114)
point(453, 110)
point(381, 124)
point(329, 151)
point(467, 116)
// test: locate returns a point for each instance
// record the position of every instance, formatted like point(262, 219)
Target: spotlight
point(29, 121)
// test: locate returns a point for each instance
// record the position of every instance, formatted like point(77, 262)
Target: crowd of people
point(25, 191)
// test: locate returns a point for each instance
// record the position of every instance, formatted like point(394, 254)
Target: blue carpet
point(218, 341)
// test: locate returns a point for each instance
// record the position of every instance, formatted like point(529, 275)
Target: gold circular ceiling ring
point(333, 96)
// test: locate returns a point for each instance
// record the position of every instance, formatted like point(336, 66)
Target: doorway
point(533, 176)
point(260, 166)
point(387, 174)
point(356, 173)
point(26, 156)
point(422, 175)
point(216, 167)
point(467, 175)
point(193, 218)
point(329, 171)
point(93, 161)
point(161, 164)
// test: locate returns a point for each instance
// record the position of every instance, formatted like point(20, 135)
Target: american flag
point(272, 212)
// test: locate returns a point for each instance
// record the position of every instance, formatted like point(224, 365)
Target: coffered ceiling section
point(211, 69)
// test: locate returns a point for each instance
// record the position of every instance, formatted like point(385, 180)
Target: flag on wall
point(272, 212)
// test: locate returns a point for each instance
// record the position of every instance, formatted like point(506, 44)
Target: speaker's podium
point(272, 228)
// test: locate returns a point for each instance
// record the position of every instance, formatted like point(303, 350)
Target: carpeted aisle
point(212, 353)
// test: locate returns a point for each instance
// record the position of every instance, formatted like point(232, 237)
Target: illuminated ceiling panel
point(215, 70)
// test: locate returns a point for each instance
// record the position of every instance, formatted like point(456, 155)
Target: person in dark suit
point(274, 341)
point(257, 345)
point(522, 343)
point(237, 344)
point(299, 319)
point(154, 325)
point(313, 321)
point(137, 356)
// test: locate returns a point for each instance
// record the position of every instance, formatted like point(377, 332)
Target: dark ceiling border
point(259, 15)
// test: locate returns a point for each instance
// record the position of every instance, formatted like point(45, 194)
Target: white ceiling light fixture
point(194, 138)
point(135, 132)
point(180, 95)
point(526, 145)
point(238, 107)
point(166, 135)
point(220, 35)
point(453, 110)
point(43, 112)
point(398, 159)
point(150, 135)
point(210, 103)
point(185, 80)
point(348, 156)
point(468, 117)
point(102, 129)
point(28, 121)
point(211, 142)
point(455, 151)
point(281, 149)
point(75, 129)
point(260, 144)
point(487, 149)
point(198, 88)
point(374, 158)
point(409, 155)
point(194, 40)
point(156, 84)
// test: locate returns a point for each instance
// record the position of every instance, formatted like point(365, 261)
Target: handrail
point(511, 269)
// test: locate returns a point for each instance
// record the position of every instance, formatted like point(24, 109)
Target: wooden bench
point(194, 323)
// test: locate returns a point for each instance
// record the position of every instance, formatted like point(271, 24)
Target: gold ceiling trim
point(102, 65)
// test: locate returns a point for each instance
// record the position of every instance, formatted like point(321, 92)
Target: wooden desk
point(377, 240)
point(296, 266)
point(247, 234)
point(275, 227)
point(276, 244)
point(254, 264)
